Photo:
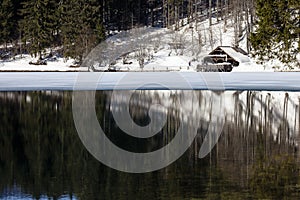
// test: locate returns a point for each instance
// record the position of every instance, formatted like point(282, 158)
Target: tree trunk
point(248, 26)
point(226, 12)
point(218, 5)
point(209, 12)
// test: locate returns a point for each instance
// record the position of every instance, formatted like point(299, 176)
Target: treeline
point(34, 25)
point(77, 26)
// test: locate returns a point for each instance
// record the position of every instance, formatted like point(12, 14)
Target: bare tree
point(235, 24)
point(218, 11)
point(248, 28)
point(178, 43)
point(212, 39)
point(200, 42)
point(221, 36)
point(226, 6)
point(209, 12)
point(190, 11)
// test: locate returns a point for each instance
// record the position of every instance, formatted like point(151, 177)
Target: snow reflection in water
point(256, 156)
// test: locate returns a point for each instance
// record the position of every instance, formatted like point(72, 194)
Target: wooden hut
point(233, 55)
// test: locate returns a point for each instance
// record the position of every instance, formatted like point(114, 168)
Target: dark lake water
point(256, 157)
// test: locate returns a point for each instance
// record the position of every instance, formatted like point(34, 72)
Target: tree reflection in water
point(256, 156)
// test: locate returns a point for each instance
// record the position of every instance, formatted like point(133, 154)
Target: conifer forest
point(75, 27)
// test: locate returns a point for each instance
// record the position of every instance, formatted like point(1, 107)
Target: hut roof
point(237, 54)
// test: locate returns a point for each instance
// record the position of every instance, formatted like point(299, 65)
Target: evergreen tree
point(38, 24)
point(81, 27)
point(294, 24)
point(262, 39)
point(285, 23)
point(7, 21)
point(277, 30)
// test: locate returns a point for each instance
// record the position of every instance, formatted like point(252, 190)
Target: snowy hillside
point(150, 49)
point(167, 50)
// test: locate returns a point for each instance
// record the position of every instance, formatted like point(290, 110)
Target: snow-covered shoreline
point(21, 64)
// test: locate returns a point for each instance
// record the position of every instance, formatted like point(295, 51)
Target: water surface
point(257, 155)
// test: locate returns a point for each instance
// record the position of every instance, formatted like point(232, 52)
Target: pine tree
point(7, 21)
point(38, 24)
point(291, 35)
point(277, 29)
point(81, 27)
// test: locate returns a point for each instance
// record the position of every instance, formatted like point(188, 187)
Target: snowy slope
point(183, 50)
point(163, 50)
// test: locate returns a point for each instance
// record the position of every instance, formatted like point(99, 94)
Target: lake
point(256, 154)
